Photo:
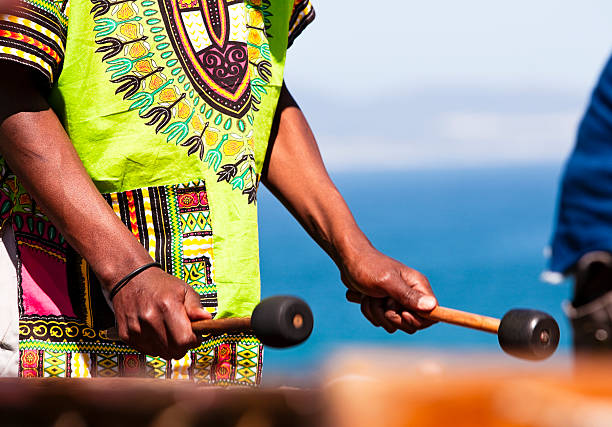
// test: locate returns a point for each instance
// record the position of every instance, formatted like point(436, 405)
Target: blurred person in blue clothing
point(582, 242)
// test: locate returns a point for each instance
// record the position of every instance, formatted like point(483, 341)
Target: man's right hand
point(154, 309)
point(154, 312)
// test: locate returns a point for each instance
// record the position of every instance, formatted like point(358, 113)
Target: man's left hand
point(391, 294)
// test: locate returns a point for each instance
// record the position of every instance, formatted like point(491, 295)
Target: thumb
point(411, 298)
point(194, 308)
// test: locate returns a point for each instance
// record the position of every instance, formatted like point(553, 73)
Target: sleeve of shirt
point(303, 14)
point(33, 33)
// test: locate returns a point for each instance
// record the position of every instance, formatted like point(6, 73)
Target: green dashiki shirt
point(169, 104)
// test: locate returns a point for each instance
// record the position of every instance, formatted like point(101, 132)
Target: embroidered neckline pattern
point(195, 71)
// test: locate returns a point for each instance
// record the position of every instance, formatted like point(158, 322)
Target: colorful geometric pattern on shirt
point(248, 361)
point(105, 365)
point(229, 363)
point(202, 363)
point(76, 346)
point(151, 215)
point(30, 363)
point(302, 15)
point(34, 34)
point(210, 41)
point(197, 244)
point(196, 75)
point(220, 360)
point(56, 364)
point(48, 328)
point(223, 360)
point(37, 232)
point(67, 340)
point(187, 250)
point(156, 367)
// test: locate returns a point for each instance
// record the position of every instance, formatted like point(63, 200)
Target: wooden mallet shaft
point(449, 315)
point(209, 326)
point(236, 324)
point(463, 318)
point(230, 324)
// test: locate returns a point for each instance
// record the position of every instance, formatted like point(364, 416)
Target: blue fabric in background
point(584, 220)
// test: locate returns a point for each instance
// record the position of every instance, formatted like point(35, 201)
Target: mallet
point(279, 321)
point(523, 333)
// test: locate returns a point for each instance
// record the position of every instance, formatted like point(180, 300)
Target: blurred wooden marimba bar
point(372, 388)
point(153, 403)
point(392, 389)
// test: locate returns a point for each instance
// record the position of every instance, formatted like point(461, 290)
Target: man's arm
point(153, 312)
point(391, 294)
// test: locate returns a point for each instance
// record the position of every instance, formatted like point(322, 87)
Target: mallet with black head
point(278, 321)
point(527, 334)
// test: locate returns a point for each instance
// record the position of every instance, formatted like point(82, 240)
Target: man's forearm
point(297, 176)
point(153, 313)
point(391, 294)
point(40, 153)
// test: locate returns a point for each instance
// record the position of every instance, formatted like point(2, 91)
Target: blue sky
point(408, 84)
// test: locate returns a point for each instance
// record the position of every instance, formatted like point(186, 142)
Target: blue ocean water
point(477, 234)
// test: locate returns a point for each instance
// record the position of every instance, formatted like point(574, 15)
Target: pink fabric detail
point(188, 200)
point(44, 283)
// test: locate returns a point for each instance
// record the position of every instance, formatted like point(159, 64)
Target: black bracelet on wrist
point(121, 283)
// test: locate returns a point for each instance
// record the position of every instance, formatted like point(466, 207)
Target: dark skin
point(7, 5)
point(391, 294)
point(154, 311)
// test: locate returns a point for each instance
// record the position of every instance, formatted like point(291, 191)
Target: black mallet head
point(528, 334)
point(282, 321)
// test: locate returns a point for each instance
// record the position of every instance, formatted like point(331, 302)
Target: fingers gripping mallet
point(279, 321)
point(523, 333)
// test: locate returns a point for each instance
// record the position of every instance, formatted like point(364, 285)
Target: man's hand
point(154, 314)
point(391, 294)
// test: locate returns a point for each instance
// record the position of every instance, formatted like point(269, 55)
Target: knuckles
point(149, 316)
point(381, 280)
point(142, 317)
point(165, 305)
